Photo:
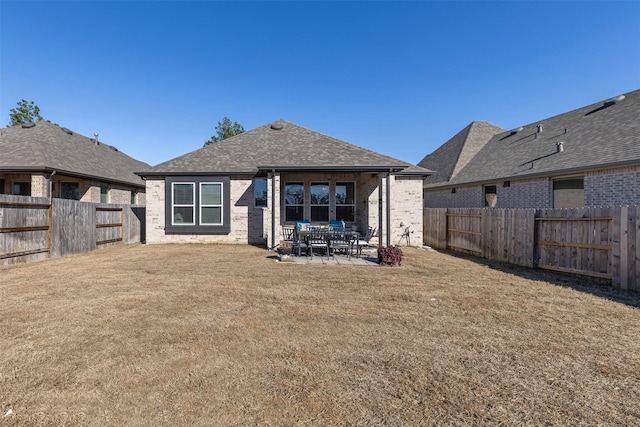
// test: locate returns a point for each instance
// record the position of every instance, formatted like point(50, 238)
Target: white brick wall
point(39, 185)
point(253, 225)
point(242, 203)
point(406, 207)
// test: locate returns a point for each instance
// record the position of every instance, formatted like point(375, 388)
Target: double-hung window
point(319, 202)
point(294, 202)
point(197, 204)
point(345, 201)
point(260, 192)
point(210, 203)
point(183, 202)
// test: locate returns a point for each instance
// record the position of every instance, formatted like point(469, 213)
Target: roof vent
point(96, 140)
point(514, 131)
point(612, 101)
point(67, 131)
point(539, 128)
point(113, 148)
point(28, 125)
point(276, 126)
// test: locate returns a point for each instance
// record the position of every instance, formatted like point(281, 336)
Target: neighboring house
point(40, 159)
point(586, 157)
point(244, 188)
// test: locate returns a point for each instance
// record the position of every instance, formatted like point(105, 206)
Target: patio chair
point(290, 235)
point(317, 240)
point(340, 241)
point(363, 241)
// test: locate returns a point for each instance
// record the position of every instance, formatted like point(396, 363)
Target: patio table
point(321, 238)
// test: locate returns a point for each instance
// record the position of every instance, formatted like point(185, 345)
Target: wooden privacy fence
point(37, 228)
point(598, 242)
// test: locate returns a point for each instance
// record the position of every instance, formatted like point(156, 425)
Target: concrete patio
point(368, 257)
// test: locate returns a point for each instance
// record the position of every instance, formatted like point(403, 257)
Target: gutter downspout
point(51, 185)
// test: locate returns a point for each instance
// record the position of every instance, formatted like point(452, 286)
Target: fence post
point(623, 274)
point(50, 228)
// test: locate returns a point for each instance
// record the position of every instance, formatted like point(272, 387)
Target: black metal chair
point(317, 239)
point(290, 235)
point(340, 241)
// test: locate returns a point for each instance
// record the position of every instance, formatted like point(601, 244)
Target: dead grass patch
point(224, 335)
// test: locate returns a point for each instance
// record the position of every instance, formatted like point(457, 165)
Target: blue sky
point(153, 78)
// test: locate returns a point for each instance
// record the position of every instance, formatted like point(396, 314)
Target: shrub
point(390, 256)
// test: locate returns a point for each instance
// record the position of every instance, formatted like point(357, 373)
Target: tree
point(24, 112)
point(224, 130)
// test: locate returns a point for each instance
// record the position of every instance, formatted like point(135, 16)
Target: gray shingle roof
point(48, 147)
point(454, 155)
point(280, 145)
point(599, 135)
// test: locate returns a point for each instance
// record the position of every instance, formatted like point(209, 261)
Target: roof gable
point(280, 145)
point(453, 155)
point(48, 147)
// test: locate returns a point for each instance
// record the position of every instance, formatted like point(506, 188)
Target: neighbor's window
point(22, 188)
point(260, 192)
point(568, 192)
point(70, 190)
point(210, 203)
point(104, 193)
point(319, 202)
point(345, 201)
point(134, 196)
point(2, 186)
point(294, 202)
point(183, 203)
point(490, 196)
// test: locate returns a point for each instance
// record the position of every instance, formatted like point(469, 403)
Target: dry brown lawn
point(224, 335)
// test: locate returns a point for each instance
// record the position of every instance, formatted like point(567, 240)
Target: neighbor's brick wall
point(119, 195)
point(464, 197)
point(39, 185)
point(88, 191)
point(529, 193)
point(620, 186)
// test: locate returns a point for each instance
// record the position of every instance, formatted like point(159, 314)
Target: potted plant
point(391, 255)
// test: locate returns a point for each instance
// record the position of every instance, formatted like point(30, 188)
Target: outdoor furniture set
point(325, 239)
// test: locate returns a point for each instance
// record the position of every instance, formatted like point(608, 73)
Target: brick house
point(244, 188)
point(586, 157)
point(40, 159)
